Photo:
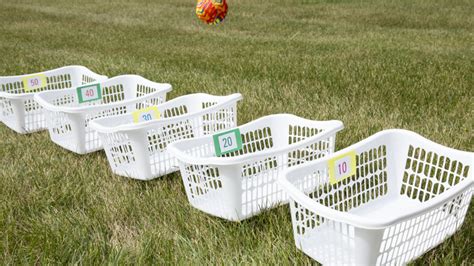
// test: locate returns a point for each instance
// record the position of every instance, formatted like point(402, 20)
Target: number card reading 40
point(341, 167)
point(34, 82)
point(228, 141)
point(89, 93)
point(146, 114)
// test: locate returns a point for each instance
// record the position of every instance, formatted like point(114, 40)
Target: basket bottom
point(71, 145)
point(31, 129)
point(389, 207)
point(335, 243)
point(218, 207)
point(135, 175)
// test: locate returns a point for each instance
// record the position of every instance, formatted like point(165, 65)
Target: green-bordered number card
point(226, 142)
point(342, 167)
point(89, 93)
point(34, 82)
point(146, 114)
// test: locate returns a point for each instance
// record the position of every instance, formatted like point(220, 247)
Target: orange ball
point(211, 11)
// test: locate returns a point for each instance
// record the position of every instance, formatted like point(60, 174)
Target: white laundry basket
point(243, 183)
point(139, 150)
point(19, 111)
point(68, 113)
point(402, 196)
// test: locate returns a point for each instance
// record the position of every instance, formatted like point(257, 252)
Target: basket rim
point(330, 128)
point(165, 87)
point(30, 94)
point(231, 98)
point(360, 221)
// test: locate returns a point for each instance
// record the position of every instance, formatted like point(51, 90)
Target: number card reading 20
point(146, 114)
point(341, 167)
point(89, 93)
point(228, 141)
point(34, 82)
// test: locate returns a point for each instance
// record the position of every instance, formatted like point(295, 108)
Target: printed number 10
point(342, 168)
point(227, 142)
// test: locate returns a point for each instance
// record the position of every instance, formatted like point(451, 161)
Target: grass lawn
point(372, 64)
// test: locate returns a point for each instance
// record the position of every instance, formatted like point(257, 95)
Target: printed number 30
point(227, 142)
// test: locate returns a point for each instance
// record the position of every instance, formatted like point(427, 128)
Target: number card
point(146, 114)
point(228, 141)
point(341, 167)
point(89, 93)
point(34, 82)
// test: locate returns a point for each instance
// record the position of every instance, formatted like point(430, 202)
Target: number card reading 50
point(228, 141)
point(34, 82)
point(89, 93)
point(341, 167)
point(146, 114)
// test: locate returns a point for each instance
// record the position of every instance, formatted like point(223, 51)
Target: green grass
point(372, 64)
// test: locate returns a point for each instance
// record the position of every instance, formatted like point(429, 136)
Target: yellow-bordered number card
point(34, 82)
point(341, 167)
point(146, 114)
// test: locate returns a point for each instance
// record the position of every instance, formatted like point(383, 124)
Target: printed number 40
point(90, 93)
point(227, 142)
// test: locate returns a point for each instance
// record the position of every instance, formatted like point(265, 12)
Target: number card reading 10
point(34, 82)
point(341, 167)
point(146, 114)
point(89, 93)
point(226, 142)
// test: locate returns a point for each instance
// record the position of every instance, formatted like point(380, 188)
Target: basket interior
point(429, 173)
point(55, 80)
point(110, 93)
point(263, 136)
point(174, 108)
point(190, 126)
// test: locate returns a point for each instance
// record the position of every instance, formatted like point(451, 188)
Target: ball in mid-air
point(211, 11)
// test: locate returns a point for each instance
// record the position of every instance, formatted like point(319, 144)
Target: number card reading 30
point(226, 142)
point(34, 82)
point(341, 167)
point(89, 93)
point(146, 114)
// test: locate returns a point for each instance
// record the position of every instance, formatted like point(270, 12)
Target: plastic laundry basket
point(68, 113)
point(139, 150)
point(19, 111)
point(397, 196)
point(243, 183)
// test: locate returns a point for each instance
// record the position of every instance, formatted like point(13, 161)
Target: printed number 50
point(227, 142)
point(34, 82)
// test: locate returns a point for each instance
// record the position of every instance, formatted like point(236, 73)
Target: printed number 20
point(342, 168)
point(227, 142)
